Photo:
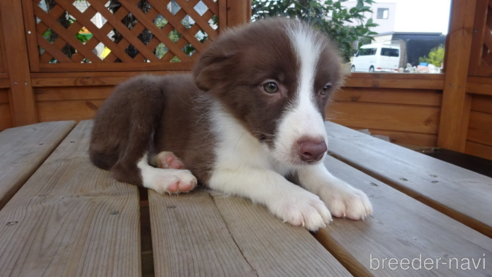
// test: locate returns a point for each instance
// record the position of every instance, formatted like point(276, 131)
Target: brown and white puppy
point(251, 114)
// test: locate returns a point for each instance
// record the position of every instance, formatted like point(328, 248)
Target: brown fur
point(133, 120)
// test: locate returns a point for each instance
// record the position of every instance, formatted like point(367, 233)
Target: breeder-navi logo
point(420, 263)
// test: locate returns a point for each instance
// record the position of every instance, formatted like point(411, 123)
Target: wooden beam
point(3, 58)
point(238, 12)
point(455, 106)
point(32, 44)
point(22, 96)
point(478, 34)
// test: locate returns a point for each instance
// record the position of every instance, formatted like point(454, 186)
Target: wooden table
point(61, 216)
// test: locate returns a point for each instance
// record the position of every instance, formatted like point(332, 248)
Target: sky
point(421, 15)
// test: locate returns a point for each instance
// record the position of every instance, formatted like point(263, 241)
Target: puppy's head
point(275, 76)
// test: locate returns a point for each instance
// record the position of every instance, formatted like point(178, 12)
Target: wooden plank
point(400, 228)
point(67, 67)
point(479, 87)
point(4, 83)
point(189, 228)
point(452, 190)
point(271, 247)
point(5, 117)
point(465, 121)
point(406, 118)
point(87, 79)
point(390, 96)
point(454, 111)
point(68, 110)
point(99, 74)
point(480, 128)
point(23, 150)
point(72, 93)
point(205, 230)
point(482, 103)
point(485, 70)
point(479, 150)
point(407, 138)
point(392, 80)
point(4, 96)
point(78, 81)
point(71, 219)
point(22, 98)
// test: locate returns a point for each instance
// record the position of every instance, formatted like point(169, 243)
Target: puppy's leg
point(342, 199)
point(166, 159)
point(284, 199)
point(165, 180)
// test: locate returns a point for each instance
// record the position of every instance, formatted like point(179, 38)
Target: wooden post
point(455, 107)
point(21, 96)
point(238, 12)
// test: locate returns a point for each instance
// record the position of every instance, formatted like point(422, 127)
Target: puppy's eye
point(270, 87)
point(324, 91)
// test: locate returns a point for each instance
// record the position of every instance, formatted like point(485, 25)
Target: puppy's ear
point(212, 68)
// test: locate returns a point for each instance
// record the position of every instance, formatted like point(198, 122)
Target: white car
point(377, 58)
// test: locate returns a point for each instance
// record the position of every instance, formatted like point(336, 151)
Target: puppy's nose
point(311, 150)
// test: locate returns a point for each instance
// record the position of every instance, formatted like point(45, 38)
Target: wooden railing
point(157, 22)
point(43, 42)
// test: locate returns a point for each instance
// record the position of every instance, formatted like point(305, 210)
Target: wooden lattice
point(176, 45)
point(481, 59)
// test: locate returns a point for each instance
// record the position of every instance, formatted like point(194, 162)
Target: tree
point(436, 56)
point(329, 17)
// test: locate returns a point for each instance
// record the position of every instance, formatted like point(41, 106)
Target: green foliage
point(436, 56)
point(328, 16)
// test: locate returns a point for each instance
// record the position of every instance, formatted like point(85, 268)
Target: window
point(390, 52)
point(383, 13)
point(367, 51)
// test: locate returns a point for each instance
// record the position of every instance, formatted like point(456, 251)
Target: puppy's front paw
point(344, 200)
point(302, 208)
point(169, 180)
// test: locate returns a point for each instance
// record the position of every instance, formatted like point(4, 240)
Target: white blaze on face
point(303, 119)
